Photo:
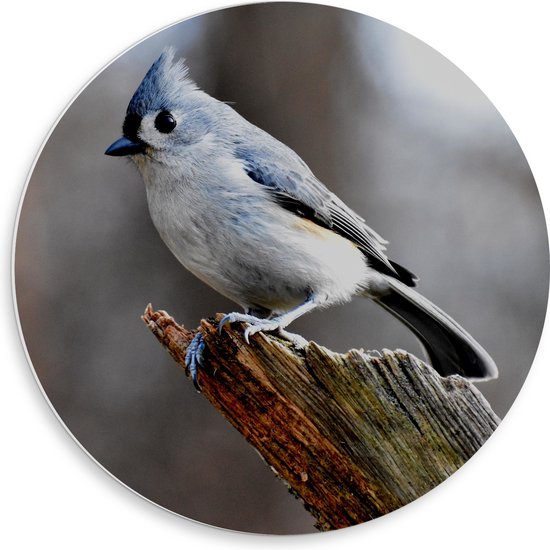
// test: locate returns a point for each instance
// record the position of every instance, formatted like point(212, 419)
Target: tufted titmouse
point(246, 215)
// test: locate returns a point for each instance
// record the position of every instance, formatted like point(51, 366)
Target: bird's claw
point(256, 324)
point(194, 358)
point(244, 318)
point(247, 332)
point(225, 319)
point(299, 342)
point(233, 318)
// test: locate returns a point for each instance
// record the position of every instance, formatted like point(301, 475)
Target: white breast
point(224, 228)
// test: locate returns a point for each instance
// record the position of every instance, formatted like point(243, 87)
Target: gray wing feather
point(293, 185)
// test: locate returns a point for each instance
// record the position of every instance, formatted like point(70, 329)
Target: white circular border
point(52, 495)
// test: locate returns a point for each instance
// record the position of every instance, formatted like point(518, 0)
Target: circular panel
point(391, 127)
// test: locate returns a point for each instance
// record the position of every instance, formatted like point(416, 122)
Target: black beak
point(124, 146)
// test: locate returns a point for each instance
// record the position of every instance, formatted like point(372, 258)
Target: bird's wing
point(295, 188)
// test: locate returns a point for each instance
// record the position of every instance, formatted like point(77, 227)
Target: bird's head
point(166, 115)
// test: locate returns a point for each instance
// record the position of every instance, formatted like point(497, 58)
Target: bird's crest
point(166, 81)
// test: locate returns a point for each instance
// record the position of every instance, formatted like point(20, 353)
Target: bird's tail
point(450, 348)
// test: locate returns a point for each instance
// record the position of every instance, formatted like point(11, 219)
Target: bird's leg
point(194, 358)
point(278, 322)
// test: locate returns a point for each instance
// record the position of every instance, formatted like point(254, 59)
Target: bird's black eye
point(165, 122)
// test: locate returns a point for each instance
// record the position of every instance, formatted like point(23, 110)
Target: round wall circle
point(390, 126)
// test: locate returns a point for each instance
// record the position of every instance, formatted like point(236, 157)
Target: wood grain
point(353, 436)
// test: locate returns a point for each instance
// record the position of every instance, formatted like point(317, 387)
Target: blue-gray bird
point(246, 215)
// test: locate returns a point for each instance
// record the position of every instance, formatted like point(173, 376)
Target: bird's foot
point(238, 318)
point(194, 358)
point(255, 324)
point(296, 340)
point(278, 323)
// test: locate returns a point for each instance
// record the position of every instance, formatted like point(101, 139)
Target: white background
point(53, 494)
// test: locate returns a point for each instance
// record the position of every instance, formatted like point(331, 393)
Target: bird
point(247, 216)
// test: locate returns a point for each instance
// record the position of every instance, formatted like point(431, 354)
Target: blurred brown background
point(387, 123)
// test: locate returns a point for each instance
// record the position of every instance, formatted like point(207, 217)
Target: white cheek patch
point(149, 134)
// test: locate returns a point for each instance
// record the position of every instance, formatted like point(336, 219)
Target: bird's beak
point(124, 146)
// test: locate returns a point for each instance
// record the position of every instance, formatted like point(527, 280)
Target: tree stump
point(353, 435)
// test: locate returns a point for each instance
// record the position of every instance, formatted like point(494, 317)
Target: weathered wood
point(354, 436)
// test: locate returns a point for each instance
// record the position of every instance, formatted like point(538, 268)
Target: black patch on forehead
point(131, 126)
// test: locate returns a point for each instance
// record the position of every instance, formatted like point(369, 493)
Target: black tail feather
point(450, 348)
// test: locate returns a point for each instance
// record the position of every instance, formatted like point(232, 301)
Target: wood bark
point(353, 435)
